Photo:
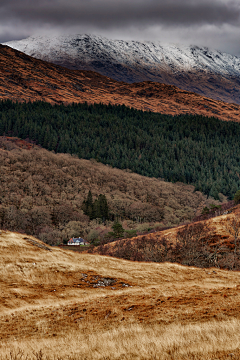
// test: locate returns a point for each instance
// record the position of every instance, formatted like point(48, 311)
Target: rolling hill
point(42, 194)
point(204, 71)
point(192, 149)
point(132, 298)
point(206, 243)
point(107, 308)
point(23, 78)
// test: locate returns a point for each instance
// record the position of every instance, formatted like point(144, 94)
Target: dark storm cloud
point(108, 13)
point(215, 23)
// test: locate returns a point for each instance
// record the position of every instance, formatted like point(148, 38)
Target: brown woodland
point(41, 193)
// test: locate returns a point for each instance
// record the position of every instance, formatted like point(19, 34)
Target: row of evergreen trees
point(191, 149)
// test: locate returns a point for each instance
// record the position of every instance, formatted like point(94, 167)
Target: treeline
point(191, 149)
point(215, 210)
point(53, 225)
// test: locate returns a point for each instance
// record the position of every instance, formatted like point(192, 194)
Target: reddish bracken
point(23, 78)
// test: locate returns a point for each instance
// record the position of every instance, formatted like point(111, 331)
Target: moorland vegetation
point(51, 307)
point(192, 149)
point(199, 244)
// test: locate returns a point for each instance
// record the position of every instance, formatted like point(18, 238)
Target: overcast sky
point(212, 23)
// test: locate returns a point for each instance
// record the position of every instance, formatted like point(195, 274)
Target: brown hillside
point(57, 304)
point(203, 243)
point(41, 193)
point(25, 78)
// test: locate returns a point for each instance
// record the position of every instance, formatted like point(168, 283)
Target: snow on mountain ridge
point(211, 73)
point(91, 47)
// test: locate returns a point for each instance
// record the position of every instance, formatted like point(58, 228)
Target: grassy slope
point(168, 311)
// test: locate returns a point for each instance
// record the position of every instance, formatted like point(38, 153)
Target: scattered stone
point(107, 314)
point(108, 281)
point(96, 281)
point(35, 243)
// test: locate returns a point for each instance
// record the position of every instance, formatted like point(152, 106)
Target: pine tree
point(118, 230)
point(87, 206)
point(103, 205)
point(237, 197)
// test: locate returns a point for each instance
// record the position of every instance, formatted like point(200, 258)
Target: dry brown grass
point(168, 311)
point(138, 342)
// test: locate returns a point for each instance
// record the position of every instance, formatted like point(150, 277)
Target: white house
point(77, 241)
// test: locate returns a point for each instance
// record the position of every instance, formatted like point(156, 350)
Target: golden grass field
point(52, 308)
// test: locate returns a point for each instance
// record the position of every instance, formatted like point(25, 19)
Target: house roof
point(77, 240)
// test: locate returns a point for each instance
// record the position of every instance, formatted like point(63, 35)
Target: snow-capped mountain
point(208, 72)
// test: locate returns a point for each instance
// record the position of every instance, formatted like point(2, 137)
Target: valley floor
point(58, 304)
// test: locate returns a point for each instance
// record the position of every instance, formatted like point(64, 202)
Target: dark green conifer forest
point(191, 149)
point(97, 209)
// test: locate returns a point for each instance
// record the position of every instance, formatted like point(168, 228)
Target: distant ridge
point(24, 78)
point(207, 72)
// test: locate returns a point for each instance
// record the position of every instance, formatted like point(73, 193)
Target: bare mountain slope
point(23, 78)
point(207, 72)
